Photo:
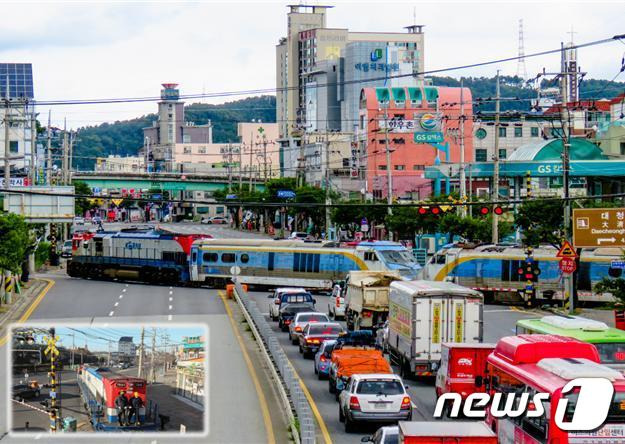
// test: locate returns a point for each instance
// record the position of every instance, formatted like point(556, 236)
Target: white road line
point(170, 306)
point(111, 313)
point(124, 290)
point(171, 299)
point(171, 292)
point(126, 285)
point(121, 296)
point(171, 288)
point(497, 311)
point(116, 304)
point(169, 318)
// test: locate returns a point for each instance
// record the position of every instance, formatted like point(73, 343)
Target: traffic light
point(485, 210)
point(529, 271)
point(435, 210)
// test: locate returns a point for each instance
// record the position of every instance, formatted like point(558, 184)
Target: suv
point(336, 306)
point(66, 250)
point(374, 398)
point(279, 298)
point(288, 312)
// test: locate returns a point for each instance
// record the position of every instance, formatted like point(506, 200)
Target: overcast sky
point(83, 50)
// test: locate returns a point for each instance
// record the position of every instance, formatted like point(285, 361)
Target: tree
point(474, 229)
point(616, 287)
point(14, 241)
point(407, 222)
point(541, 221)
point(353, 213)
point(82, 204)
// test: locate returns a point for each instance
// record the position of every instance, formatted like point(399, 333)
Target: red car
point(315, 333)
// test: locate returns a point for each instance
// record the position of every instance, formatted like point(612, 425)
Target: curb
point(22, 303)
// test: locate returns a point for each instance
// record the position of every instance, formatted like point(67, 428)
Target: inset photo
point(98, 379)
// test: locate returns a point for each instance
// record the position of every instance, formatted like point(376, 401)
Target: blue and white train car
point(293, 263)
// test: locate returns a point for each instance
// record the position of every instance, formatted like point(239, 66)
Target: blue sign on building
point(231, 196)
point(286, 194)
point(429, 137)
point(618, 264)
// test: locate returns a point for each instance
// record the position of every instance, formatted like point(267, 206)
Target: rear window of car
point(296, 297)
point(375, 387)
point(325, 329)
point(289, 309)
point(313, 317)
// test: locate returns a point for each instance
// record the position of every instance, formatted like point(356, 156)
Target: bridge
point(161, 181)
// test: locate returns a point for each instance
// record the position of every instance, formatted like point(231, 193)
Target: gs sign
point(546, 169)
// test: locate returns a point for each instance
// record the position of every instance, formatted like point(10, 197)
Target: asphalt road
point(499, 321)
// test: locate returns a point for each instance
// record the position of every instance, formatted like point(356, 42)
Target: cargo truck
point(425, 314)
point(443, 432)
point(366, 298)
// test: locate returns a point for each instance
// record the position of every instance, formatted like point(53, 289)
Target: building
point(192, 347)
point(611, 135)
point(259, 147)
point(171, 137)
point(320, 72)
point(17, 107)
point(118, 164)
point(126, 347)
point(190, 369)
point(418, 127)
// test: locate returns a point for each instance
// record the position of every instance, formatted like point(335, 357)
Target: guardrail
point(292, 396)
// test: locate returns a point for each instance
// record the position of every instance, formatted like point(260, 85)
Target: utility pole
point(389, 175)
point(152, 376)
point(265, 158)
point(48, 168)
point(109, 355)
point(140, 370)
point(495, 197)
point(229, 167)
point(33, 148)
point(251, 160)
point(72, 137)
point(327, 180)
point(463, 178)
point(241, 165)
point(7, 140)
point(53, 352)
point(65, 153)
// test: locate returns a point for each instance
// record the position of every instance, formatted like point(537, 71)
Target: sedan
point(26, 391)
point(323, 359)
point(214, 220)
point(301, 320)
point(288, 311)
point(315, 333)
point(384, 435)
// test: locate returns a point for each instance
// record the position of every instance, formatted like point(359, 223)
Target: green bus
point(610, 342)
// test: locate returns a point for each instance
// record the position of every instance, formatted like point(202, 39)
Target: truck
point(443, 432)
point(425, 314)
point(366, 298)
point(460, 365)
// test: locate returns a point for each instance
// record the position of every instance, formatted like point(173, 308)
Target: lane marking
point(111, 313)
point(498, 311)
point(171, 299)
point(116, 304)
point(32, 307)
point(250, 367)
point(170, 307)
point(124, 290)
point(169, 318)
point(121, 296)
point(171, 292)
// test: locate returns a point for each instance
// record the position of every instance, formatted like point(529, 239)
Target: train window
point(440, 259)
point(270, 261)
point(371, 256)
point(245, 258)
point(194, 257)
point(138, 384)
point(228, 258)
point(210, 257)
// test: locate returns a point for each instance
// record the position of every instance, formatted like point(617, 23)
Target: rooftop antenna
point(521, 69)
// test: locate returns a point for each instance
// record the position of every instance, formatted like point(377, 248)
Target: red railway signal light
point(498, 211)
point(435, 210)
point(484, 211)
point(423, 210)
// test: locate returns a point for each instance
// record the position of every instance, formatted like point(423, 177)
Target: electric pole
point(65, 153)
point(152, 376)
point(72, 137)
point(33, 143)
point(229, 167)
point(251, 160)
point(463, 179)
point(48, 169)
point(495, 197)
point(327, 180)
point(241, 165)
point(389, 175)
point(7, 139)
point(140, 370)
point(265, 158)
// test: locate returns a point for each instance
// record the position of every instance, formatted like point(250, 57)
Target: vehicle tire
point(295, 341)
point(349, 425)
point(209, 222)
point(307, 354)
point(331, 386)
point(315, 369)
point(301, 350)
point(37, 393)
point(341, 414)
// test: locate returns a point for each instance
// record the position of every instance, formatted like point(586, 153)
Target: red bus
point(545, 364)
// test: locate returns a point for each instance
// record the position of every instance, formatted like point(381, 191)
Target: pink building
point(422, 126)
point(261, 141)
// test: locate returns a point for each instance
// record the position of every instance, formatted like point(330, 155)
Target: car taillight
point(323, 358)
point(367, 314)
point(338, 302)
point(312, 341)
point(298, 328)
point(353, 403)
point(287, 322)
point(405, 403)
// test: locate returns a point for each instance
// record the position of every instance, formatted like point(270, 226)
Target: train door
point(195, 259)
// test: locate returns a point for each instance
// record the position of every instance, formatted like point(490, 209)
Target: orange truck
point(445, 432)
point(355, 353)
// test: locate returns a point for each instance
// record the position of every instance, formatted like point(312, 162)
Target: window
point(400, 167)
point(306, 262)
point(502, 154)
point(371, 256)
point(480, 133)
point(503, 131)
point(557, 133)
point(187, 150)
point(518, 131)
point(480, 155)
point(382, 167)
point(245, 258)
point(418, 167)
point(210, 257)
point(345, 162)
point(228, 258)
point(534, 131)
point(622, 148)
point(186, 138)
point(13, 147)
point(202, 150)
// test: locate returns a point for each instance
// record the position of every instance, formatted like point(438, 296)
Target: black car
point(24, 391)
point(288, 312)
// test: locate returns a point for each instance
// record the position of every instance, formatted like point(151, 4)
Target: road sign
point(567, 250)
point(117, 201)
point(618, 264)
point(599, 227)
point(568, 265)
point(286, 194)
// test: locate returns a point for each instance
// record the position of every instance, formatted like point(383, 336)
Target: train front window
point(397, 257)
point(611, 353)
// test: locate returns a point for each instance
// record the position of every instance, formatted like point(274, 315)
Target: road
point(499, 321)
point(234, 409)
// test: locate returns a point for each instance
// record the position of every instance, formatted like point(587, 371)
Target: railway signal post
point(53, 352)
point(530, 271)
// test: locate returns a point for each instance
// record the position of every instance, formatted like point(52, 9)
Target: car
point(322, 358)
point(315, 333)
point(384, 435)
point(279, 298)
point(79, 220)
point(26, 391)
point(374, 398)
point(66, 250)
point(288, 312)
point(301, 320)
point(299, 235)
point(214, 220)
point(336, 306)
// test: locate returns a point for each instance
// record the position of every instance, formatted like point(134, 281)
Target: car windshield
point(312, 317)
point(397, 257)
point(380, 387)
point(325, 330)
point(611, 353)
point(391, 438)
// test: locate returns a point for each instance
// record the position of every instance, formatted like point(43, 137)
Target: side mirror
point(479, 381)
point(270, 296)
point(365, 439)
point(314, 301)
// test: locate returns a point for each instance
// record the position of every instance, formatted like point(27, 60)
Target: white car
point(384, 435)
point(274, 309)
point(374, 398)
point(79, 221)
point(300, 322)
point(298, 235)
point(336, 306)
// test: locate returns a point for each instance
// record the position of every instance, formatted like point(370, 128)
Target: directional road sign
point(599, 227)
point(568, 265)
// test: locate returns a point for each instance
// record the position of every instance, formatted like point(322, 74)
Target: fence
point(289, 384)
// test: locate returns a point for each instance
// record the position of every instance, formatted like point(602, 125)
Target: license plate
point(379, 406)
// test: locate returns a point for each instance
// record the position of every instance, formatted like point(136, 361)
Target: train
point(154, 256)
point(100, 386)
point(493, 270)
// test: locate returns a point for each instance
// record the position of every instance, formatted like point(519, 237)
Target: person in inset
point(135, 407)
point(121, 404)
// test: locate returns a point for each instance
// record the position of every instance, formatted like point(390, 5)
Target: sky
point(83, 50)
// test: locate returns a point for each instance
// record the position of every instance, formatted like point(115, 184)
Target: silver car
point(301, 320)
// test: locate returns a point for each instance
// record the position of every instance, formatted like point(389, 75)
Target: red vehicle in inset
point(436, 432)
point(461, 363)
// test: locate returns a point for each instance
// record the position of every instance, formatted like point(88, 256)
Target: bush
point(42, 254)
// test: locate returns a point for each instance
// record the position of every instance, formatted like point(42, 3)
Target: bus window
point(535, 427)
point(245, 258)
point(194, 257)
